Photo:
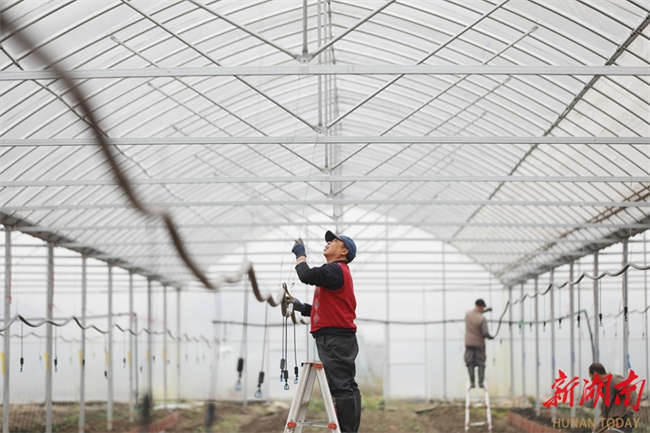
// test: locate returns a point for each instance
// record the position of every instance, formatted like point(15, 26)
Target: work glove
point(297, 305)
point(299, 249)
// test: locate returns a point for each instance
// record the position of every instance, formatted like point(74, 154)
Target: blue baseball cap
point(348, 242)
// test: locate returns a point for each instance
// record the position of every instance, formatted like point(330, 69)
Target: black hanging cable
point(285, 371)
point(544, 326)
point(295, 356)
point(105, 357)
point(559, 303)
point(260, 378)
point(600, 303)
point(56, 359)
point(22, 359)
point(240, 361)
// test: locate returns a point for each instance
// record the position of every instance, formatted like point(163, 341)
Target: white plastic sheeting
point(71, 207)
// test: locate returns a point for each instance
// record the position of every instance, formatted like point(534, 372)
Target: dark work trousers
point(475, 356)
point(338, 352)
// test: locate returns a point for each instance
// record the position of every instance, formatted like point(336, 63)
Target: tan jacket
point(476, 329)
point(617, 410)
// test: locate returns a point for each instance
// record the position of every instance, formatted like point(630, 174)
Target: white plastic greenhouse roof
point(516, 129)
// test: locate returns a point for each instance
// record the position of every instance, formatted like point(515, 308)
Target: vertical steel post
point(645, 314)
point(426, 344)
point(178, 344)
point(538, 403)
point(444, 325)
point(387, 331)
point(512, 345)
point(164, 354)
point(136, 354)
point(149, 342)
point(128, 353)
point(596, 348)
point(573, 336)
point(552, 300)
point(580, 316)
point(6, 361)
point(523, 350)
point(626, 324)
point(48, 344)
point(82, 354)
point(109, 353)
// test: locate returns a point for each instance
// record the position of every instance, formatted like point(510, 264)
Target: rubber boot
point(346, 412)
point(357, 407)
point(470, 370)
point(481, 375)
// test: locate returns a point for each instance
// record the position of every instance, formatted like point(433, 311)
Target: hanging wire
point(600, 303)
point(295, 356)
point(240, 361)
point(22, 359)
point(260, 378)
point(56, 358)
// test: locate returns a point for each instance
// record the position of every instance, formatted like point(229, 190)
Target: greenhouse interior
point(167, 168)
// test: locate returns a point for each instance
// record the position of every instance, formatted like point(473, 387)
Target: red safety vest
point(335, 308)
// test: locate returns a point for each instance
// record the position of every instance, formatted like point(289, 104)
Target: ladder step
point(318, 423)
point(476, 424)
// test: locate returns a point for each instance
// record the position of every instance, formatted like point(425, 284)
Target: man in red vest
point(332, 314)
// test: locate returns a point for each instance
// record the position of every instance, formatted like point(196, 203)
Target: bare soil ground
point(265, 417)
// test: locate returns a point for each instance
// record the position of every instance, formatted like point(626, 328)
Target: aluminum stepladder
point(298, 411)
point(483, 403)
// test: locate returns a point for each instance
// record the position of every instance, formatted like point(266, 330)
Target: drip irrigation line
point(639, 267)
point(36, 323)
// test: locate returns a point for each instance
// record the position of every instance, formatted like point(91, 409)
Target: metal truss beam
point(307, 70)
point(190, 141)
point(334, 201)
point(357, 239)
point(508, 225)
point(319, 178)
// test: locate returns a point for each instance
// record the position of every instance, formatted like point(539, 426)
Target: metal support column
point(6, 356)
point(109, 352)
point(426, 344)
point(178, 345)
point(596, 348)
point(552, 300)
point(48, 344)
point(164, 354)
point(132, 393)
point(626, 323)
point(645, 314)
point(149, 343)
point(573, 336)
point(82, 354)
point(512, 346)
point(523, 349)
point(538, 403)
point(387, 329)
point(444, 326)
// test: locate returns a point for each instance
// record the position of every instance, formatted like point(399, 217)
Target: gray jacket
point(476, 329)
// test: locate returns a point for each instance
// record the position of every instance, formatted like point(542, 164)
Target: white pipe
point(6, 356)
point(48, 348)
point(109, 352)
point(82, 356)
